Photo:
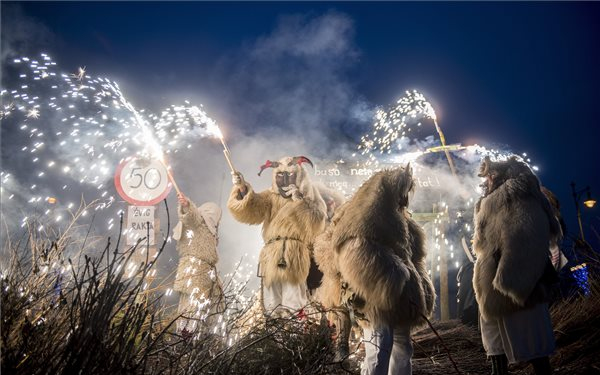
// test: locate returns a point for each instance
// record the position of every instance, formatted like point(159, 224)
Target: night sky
point(524, 76)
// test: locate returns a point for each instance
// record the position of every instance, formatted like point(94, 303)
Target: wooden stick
point(443, 140)
point(227, 154)
point(171, 176)
point(173, 181)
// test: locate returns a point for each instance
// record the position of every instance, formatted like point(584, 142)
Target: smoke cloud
point(21, 34)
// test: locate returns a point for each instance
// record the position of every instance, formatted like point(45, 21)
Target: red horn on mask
point(268, 164)
point(301, 159)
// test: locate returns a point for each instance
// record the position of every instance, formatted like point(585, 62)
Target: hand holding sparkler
point(237, 178)
point(183, 201)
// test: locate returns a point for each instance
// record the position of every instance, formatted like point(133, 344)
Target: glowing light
point(33, 113)
point(92, 126)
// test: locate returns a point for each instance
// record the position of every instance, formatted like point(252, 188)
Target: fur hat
point(210, 212)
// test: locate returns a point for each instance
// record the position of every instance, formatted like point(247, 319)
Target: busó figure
point(380, 253)
point(514, 227)
point(292, 212)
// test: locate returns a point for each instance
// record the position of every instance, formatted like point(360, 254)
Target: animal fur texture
point(289, 224)
point(333, 198)
point(379, 251)
point(197, 247)
point(514, 226)
point(328, 293)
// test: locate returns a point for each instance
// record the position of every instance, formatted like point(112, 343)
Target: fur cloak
point(289, 225)
point(197, 247)
point(329, 293)
point(514, 226)
point(380, 252)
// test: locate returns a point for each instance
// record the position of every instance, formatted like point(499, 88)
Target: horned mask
point(287, 173)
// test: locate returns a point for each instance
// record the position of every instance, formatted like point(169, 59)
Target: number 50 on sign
point(142, 182)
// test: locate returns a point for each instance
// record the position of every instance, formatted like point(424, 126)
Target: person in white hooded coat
point(197, 280)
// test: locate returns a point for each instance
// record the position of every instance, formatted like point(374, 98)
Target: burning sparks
point(79, 75)
point(392, 129)
point(33, 113)
point(83, 127)
point(398, 138)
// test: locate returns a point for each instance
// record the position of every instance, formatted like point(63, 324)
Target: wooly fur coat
point(514, 226)
point(379, 251)
point(197, 247)
point(325, 257)
point(329, 293)
point(289, 224)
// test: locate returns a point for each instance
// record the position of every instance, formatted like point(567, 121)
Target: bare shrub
point(68, 311)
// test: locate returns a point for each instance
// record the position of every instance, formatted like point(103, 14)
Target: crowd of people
point(363, 260)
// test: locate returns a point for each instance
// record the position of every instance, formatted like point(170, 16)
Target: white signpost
point(142, 183)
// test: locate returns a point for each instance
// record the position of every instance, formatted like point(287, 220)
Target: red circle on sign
point(134, 201)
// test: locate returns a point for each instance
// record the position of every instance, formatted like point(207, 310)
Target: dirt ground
point(463, 343)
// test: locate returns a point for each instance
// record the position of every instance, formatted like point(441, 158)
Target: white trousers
point(284, 297)
point(388, 351)
point(522, 335)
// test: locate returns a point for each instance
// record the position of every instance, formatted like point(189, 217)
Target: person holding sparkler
point(197, 280)
point(292, 213)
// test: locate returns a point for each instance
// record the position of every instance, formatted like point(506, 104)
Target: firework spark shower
point(77, 130)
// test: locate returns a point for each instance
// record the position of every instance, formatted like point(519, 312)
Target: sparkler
point(226, 153)
point(392, 127)
point(168, 168)
point(443, 140)
point(188, 122)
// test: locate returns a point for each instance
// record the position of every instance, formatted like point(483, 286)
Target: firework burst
point(63, 135)
point(392, 129)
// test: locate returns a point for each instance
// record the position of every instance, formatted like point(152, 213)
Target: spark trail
point(63, 135)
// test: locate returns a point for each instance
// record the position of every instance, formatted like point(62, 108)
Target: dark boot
point(499, 364)
point(541, 366)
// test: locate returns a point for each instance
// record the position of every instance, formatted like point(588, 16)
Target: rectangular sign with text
point(140, 224)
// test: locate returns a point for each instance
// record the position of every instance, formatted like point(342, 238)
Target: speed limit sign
point(142, 182)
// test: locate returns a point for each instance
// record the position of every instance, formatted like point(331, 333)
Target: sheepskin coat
point(198, 256)
point(329, 293)
point(380, 253)
point(289, 227)
point(514, 226)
